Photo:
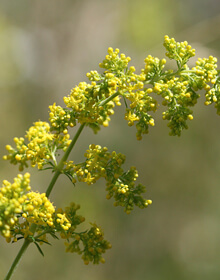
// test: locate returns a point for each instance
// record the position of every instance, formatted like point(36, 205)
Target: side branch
point(64, 158)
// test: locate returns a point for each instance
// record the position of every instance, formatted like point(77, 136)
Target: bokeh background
point(46, 48)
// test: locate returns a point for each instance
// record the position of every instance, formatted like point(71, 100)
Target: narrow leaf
point(41, 240)
point(53, 235)
point(39, 249)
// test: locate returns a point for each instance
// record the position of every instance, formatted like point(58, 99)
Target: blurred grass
point(47, 48)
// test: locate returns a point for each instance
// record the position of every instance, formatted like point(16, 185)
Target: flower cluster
point(181, 52)
point(87, 101)
point(179, 88)
point(38, 209)
point(206, 71)
point(98, 163)
point(120, 184)
point(115, 63)
point(178, 97)
point(70, 216)
point(209, 80)
point(21, 208)
point(12, 197)
point(213, 95)
point(94, 103)
point(153, 68)
point(40, 149)
point(60, 119)
point(93, 243)
point(125, 192)
point(141, 104)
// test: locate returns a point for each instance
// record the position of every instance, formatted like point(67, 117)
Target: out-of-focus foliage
point(46, 48)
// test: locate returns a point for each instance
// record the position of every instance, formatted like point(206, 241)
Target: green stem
point(165, 75)
point(52, 182)
point(72, 144)
point(17, 259)
point(64, 158)
point(109, 98)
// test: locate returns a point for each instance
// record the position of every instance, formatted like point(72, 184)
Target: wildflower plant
point(30, 216)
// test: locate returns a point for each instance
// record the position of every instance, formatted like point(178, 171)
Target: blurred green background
point(46, 48)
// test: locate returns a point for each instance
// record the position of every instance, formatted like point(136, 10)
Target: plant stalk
point(17, 259)
point(64, 158)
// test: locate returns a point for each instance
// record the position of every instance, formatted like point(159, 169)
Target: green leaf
point(41, 240)
point(39, 249)
point(53, 235)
